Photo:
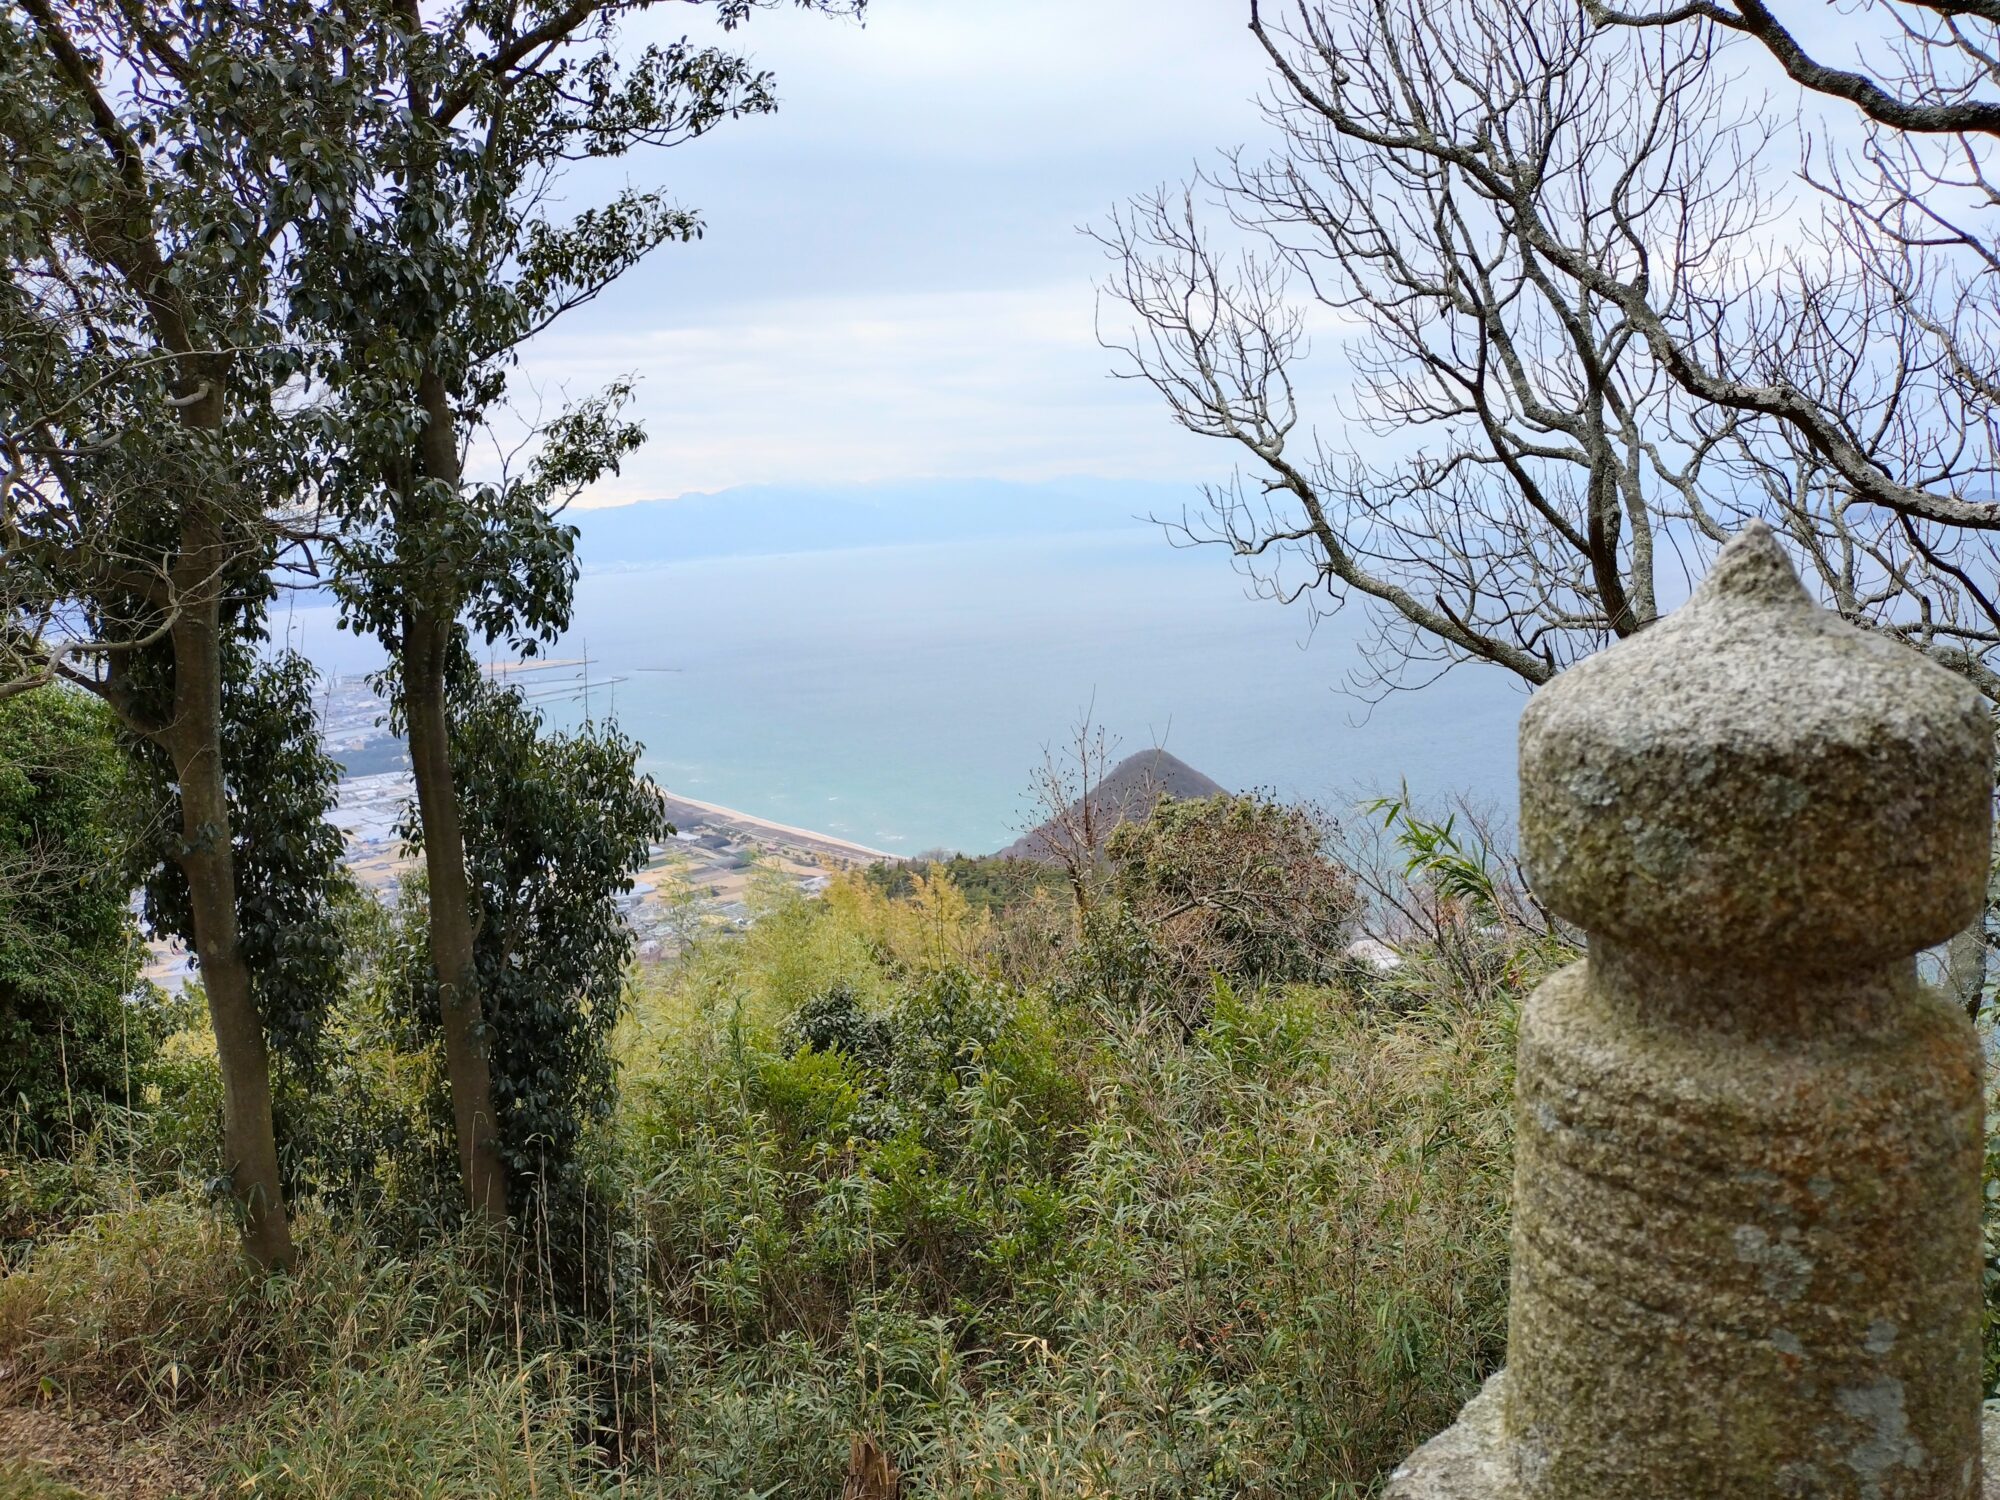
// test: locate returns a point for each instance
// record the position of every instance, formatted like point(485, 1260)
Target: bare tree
point(1892, 384)
point(1911, 206)
point(1066, 792)
point(1539, 240)
point(1079, 799)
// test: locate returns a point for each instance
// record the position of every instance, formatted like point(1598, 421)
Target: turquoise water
point(901, 696)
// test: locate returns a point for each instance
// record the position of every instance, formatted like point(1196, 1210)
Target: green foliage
point(1238, 889)
point(1240, 886)
point(137, 1305)
point(989, 883)
point(373, 1138)
point(1026, 1246)
point(291, 882)
point(833, 1021)
point(1229, 887)
point(159, 164)
point(1116, 964)
point(417, 289)
point(555, 827)
point(149, 1305)
point(77, 1031)
point(425, 1422)
point(1265, 1261)
point(945, 1025)
point(1457, 867)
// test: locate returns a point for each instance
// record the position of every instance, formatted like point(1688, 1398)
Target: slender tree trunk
point(194, 743)
point(123, 242)
point(426, 639)
point(1965, 967)
point(428, 622)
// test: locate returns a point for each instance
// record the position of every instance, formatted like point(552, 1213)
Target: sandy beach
point(711, 812)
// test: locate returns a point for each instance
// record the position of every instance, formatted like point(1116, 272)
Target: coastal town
point(702, 877)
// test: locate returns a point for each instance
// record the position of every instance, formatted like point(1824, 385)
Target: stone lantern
point(1746, 1240)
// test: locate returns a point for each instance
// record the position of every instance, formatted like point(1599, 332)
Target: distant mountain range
point(757, 520)
point(1129, 791)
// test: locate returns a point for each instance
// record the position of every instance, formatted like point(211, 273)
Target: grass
point(1025, 1243)
point(21, 1481)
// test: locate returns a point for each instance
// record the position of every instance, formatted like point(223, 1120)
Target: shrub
point(1241, 887)
point(556, 824)
point(77, 1032)
point(1025, 1246)
point(833, 1021)
point(1289, 1264)
point(1048, 1244)
point(138, 1306)
point(288, 856)
point(943, 1027)
point(990, 883)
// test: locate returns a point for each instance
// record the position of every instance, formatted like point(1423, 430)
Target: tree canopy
point(1600, 306)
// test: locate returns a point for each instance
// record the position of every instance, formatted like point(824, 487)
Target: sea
point(903, 695)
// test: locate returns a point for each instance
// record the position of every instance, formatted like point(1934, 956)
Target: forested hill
point(1129, 790)
point(758, 519)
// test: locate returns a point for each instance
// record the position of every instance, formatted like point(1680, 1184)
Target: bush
point(77, 1030)
point(1240, 887)
point(1022, 1244)
point(362, 1373)
point(1047, 1244)
point(833, 1021)
point(943, 1028)
point(556, 825)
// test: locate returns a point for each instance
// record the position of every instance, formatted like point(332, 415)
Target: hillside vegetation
point(895, 1189)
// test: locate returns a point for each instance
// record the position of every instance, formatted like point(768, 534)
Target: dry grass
point(47, 1453)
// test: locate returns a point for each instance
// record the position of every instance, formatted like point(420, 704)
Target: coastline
point(712, 812)
point(725, 841)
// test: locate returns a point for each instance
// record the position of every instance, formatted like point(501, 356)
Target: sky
point(893, 283)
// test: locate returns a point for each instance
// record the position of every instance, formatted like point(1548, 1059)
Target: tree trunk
point(426, 639)
point(1965, 967)
point(208, 859)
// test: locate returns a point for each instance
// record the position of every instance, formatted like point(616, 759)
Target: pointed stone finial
point(1746, 1250)
point(1752, 570)
point(1753, 775)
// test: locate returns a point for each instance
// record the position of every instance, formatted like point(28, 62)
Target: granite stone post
point(1746, 1247)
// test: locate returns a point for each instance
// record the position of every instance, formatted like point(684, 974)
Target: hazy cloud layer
point(893, 283)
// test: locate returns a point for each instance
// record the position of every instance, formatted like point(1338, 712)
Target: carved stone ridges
point(1746, 1250)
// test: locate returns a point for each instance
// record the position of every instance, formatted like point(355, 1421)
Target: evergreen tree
point(555, 827)
point(158, 162)
point(77, 1028)
point(420, 294)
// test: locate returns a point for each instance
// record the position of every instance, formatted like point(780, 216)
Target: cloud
point(1003, 383)
point(892, 283)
